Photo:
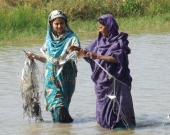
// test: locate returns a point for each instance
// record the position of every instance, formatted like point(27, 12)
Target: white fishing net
point(122, 104)
point(30, 91)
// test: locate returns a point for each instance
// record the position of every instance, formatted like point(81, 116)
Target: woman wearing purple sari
point(108, 55)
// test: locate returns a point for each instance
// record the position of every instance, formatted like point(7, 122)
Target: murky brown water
point(150, 69)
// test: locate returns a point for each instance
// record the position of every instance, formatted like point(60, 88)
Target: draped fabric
point(110, 113)
point(59, 88)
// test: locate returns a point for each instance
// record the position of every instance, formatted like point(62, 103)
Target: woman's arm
point(83, 53)
point(37, 57)
point(102, 57)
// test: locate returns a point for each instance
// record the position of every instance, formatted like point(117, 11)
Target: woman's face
point(59, 25)
point(103, 30)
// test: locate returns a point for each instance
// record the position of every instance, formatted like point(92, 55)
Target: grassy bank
point(23, 20)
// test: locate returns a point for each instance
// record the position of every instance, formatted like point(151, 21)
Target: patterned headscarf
point(56, 14)
point(53, 44)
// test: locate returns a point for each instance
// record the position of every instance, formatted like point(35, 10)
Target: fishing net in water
point(30, 91)
point(119, 103)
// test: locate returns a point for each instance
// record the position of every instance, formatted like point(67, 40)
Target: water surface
point(150, 69)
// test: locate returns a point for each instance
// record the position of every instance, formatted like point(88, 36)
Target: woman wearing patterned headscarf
point(59, 84)
point(108, 56)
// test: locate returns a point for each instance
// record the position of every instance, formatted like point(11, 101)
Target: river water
point(150, 69)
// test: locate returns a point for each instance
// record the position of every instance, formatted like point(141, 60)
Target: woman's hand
point(30, 55)
point(73, 48)
point(92, 55)
point(80, 52)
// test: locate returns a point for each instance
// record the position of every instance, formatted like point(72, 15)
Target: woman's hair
point(101, 21)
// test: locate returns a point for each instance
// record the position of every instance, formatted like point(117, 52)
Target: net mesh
point(122, 104)
point(30, 91)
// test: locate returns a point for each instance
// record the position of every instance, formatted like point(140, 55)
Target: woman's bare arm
point(102, 57)
point(91, 55)
point(37, 57)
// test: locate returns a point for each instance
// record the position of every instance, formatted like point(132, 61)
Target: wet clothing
point(109, 113)
point(59, 88)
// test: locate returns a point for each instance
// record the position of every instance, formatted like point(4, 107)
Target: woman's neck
point(59, 34)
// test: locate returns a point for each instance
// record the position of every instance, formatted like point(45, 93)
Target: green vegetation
point(27, 19)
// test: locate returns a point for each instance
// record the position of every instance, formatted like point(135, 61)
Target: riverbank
point(27, 20)
point(89, 29)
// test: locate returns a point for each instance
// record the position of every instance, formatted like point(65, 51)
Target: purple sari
point(111, 113)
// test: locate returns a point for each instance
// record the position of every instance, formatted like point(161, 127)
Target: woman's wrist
point(106, 58)
point(98, 56)
point(39, 58)
point(34, 56)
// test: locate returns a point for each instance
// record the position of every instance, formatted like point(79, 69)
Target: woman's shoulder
point(73, 36)
point(123, 42)
point(123, 35)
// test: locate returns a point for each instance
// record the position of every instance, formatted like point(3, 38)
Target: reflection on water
point(150, 69)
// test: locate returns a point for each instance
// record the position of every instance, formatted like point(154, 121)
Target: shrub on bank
point(30, 16)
